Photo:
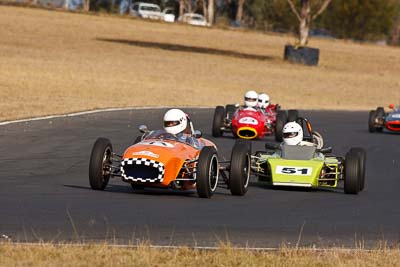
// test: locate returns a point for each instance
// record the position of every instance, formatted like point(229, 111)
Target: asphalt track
point(45, 193)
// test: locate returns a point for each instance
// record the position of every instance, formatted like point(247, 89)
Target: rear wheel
point(371, 121)
point(100, 162)
point(293, 115)
point(281, 119)
point(352, 173)
point(218, 121)
point(362, 157)
point(239, 175)
point(380, 112)
point(207, 172)
point(230, 110)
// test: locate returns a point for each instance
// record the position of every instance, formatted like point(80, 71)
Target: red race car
point(251, 122)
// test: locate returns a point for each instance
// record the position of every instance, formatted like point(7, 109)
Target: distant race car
point(379, 119)
point(307, 166)
point(160, 159)
point(251, 123)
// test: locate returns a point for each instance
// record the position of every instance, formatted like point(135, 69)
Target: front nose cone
point(247, 133)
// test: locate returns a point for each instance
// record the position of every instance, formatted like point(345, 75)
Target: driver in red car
point(251, 99)
point(265, 104)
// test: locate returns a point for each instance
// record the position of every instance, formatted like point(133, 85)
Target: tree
point(210, 12)
point(362, 19)
point(305, 17)
point(239, 11)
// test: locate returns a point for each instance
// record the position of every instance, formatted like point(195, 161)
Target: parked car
point(169, 14)
point(146, 11)
point(193, 19)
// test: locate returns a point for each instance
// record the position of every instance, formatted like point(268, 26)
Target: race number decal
point(306, 171)
point(396, 116)
point(248, 120)
point(157, 143)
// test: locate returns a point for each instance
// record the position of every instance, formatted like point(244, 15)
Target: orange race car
point(161, 159)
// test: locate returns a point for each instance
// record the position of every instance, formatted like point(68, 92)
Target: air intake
point(142, 170)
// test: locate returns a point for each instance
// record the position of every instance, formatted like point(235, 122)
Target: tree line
point(361, 20)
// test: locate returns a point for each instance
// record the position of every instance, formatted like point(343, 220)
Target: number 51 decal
point(293, 170)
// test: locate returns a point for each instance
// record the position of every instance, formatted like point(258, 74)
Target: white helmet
point(175, 121)
point(292, 133)
point(250, 99)
point(263, 100)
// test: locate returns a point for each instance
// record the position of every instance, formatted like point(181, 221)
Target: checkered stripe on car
point(146, 162)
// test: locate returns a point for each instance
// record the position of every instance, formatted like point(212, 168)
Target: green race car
point(308, 166)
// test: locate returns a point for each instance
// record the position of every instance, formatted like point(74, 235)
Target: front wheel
point(207, 172)
point(239, 175)
point(100, 162)
point(230, 110)
point(371, 121)
point(352, 173)
point(362, 157)
point(218, 121)
point(281, 119)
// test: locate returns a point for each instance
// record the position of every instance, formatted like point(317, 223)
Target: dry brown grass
point(54, 62)
point(103, 255)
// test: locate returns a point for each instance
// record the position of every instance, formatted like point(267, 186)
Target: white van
point(145, 10)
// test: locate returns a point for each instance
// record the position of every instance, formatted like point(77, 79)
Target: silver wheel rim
point(213, 173)
point(246, 171)
point(106, 160)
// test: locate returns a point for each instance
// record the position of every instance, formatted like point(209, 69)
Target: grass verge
point(105, 255)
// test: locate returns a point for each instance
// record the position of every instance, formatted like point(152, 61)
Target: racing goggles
point(290, 135)
point(171, 123)
point(250, 99)
point(261, 101)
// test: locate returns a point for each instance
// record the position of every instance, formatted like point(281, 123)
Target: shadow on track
point(185, 48)
point(147, 191)
point(267, 186)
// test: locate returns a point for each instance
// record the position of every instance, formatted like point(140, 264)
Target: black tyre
point(207, 172)
point(362, 157)
point(239, 175)
point(371, 121)
point(281, 119)
point(218, 121)
point(99, 166)
point(352, 173)
point(380, 114)
point(230, 110)
point(302, 55)
point(293, 115)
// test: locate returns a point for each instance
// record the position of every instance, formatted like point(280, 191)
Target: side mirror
point(391, 106)
point(143, 128)
point(197, 134)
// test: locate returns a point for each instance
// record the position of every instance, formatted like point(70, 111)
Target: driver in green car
point(293, 136)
